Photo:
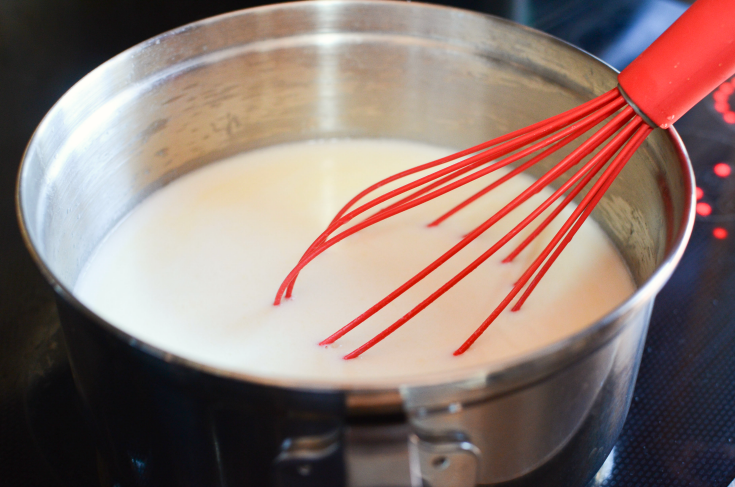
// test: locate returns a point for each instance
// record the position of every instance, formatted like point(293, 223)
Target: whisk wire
point(323, 242)
point(565, 138)
point(565, 118)
point(585, 174)
point(572, 159)
point(614, 170)
point(600, 159)
point(584, 208)
point(537, 129)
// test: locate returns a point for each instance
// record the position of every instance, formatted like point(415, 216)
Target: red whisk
point(690, 59)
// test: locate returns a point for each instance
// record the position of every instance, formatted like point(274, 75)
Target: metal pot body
point(320, 70)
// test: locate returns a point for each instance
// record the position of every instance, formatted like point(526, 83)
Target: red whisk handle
point(688, 61)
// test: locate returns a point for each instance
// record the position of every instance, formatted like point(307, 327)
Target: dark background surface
point(681, 427)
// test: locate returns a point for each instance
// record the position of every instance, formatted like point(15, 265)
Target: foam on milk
point(194, 270)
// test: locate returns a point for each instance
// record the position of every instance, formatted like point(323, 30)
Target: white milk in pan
point(194, 270)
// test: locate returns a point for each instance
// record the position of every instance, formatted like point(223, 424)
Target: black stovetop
point(681, 426)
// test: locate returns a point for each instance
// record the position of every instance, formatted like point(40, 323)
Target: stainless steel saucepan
point(319, 70)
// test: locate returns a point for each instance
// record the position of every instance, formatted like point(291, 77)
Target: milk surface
point(194, 270)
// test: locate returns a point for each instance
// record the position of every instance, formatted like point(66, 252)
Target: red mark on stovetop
point(704, 209)
point(722, 169)
point(699, 193)
point(719, 233)
point(722, 100)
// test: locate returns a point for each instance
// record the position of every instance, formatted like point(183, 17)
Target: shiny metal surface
point(337, 69)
